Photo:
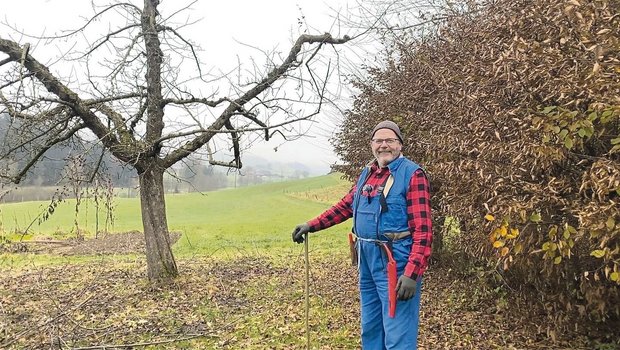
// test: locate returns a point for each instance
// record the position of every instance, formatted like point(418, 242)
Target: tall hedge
point(514, 109)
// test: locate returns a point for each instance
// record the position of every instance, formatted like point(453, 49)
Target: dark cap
point(388, 124)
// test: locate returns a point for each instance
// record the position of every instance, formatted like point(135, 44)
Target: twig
point(167, 341)
point(45, 242)
point(117, 346)
point(307, 292)
point(32, 330)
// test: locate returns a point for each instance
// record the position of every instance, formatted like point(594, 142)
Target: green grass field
point(258, 218)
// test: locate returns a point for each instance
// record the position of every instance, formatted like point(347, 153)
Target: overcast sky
point(225, 27)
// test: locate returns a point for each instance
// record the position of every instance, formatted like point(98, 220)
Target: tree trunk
point(160, 261)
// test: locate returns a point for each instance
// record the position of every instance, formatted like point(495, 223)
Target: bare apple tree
point(138, 91)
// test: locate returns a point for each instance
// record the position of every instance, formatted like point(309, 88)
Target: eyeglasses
point(390, 142)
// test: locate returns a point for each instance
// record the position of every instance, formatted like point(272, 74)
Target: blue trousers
point(379, 331)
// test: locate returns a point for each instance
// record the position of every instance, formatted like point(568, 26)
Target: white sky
point(267, 24)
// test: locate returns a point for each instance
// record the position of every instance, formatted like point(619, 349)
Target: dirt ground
point(105, 244)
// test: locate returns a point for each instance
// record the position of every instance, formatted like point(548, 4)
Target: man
point(391, 211)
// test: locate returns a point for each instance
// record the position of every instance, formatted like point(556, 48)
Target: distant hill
point(286, 169)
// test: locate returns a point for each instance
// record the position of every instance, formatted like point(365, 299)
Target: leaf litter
point(252, 302)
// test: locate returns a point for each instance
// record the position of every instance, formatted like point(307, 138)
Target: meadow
point(224, 222)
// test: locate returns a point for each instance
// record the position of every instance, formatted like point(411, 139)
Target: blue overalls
point(379, 331)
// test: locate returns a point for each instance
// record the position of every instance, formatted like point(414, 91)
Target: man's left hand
point(405, 288)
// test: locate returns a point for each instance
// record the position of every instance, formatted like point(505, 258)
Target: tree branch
point(107, 38)
point(265, 83)
point(75, 31)
point(67, 96)
point(165, 28)
point(35, 137)
point(17, 178)
point(204, 101)
point(91, 102)
point(15, 80)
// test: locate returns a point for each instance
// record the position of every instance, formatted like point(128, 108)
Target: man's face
point(388, 150)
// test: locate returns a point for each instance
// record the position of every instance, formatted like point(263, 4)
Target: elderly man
point(391, 211)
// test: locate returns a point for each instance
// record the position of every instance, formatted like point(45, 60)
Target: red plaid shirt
point(418, 216)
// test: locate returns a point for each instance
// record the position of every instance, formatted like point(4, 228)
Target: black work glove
point(299, 232)
point(405, 288)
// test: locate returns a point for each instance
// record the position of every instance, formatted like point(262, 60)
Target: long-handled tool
point(307, 292)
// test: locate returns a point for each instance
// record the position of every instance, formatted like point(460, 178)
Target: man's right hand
point(299, 232)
